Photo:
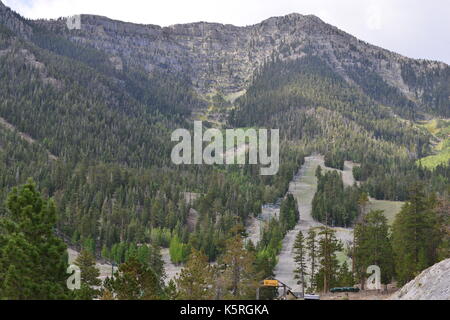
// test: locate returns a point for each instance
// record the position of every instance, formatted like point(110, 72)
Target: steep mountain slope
point(113, 179)
point(77, 105)
point(14, 22)
point(225, 57)
point(314, 106)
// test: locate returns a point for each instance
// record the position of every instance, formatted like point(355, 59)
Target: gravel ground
point(172, 271)
point(254, 230)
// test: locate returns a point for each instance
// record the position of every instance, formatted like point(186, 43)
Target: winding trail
point(303, 187)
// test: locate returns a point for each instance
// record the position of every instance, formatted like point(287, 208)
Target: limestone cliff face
point(225, 57)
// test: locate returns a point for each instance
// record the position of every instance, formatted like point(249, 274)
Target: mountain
point(14, 21)
point(225, 57)
point(91, 86)
point(97, 106)
point(88, 114)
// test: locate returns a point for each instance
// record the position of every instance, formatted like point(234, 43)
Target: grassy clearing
point(390, 208)
point(442, 156)
point(441, 130)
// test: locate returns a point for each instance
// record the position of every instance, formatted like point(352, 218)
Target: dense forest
point(334, 204)
point(85, 163)
point(319, 110)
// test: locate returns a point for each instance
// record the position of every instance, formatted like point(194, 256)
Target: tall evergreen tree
point(33, 260)
point(415, 237)
point(311, 243)
point(373, 247)
point(196, 278)
point(90, 282)
point(238, 266)
point(300, 260)
point(443, 216)
point(171, 291)
point(289, 213)
point(329, 265)
point(345, 276)
point(135, 281)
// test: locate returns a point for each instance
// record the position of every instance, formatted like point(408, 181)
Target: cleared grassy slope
point(441, 129)
point(390, 208)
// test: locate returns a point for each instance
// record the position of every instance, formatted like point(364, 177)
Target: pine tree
point(196, 278)
point(289, 213)
point(299, 258)
point(373, 247)
point(345, 277)
point(415, 237)
point(156, 262)
point(33, 260)
point(363, 201)
point(328, 246)
point(171, 291)
point(443, 216)
point(135, 281)
point(89, 277)
point(311, 243)
point(238, 266)
point(319, 172)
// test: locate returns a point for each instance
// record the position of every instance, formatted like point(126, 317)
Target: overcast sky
point(415, 28)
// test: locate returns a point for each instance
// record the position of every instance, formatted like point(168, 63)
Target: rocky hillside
point(432, 284)
point(224, 58)
point(14, 22)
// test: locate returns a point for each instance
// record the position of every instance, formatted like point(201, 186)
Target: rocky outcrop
point(432, 284)
point(225, 57)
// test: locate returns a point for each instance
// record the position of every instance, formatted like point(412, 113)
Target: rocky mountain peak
point(216, 56)
point(223, 58)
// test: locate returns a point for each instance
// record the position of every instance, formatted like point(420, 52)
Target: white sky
point(415, 28)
